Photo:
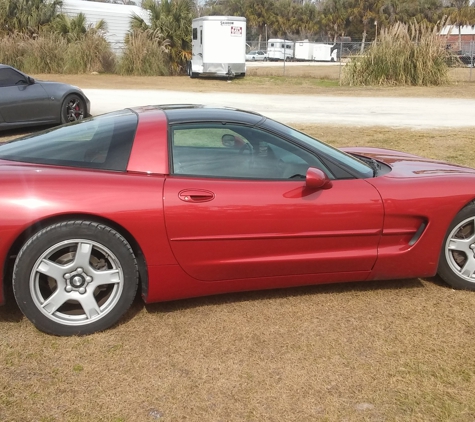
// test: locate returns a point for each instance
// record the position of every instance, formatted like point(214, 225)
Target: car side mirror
point(30, 80)
point(317, 179)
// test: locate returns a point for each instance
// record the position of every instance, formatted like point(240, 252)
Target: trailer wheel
point(189, 70)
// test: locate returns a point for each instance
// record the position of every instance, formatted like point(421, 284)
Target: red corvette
point(184, 201)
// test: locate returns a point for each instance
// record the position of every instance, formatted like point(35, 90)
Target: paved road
point(357, 111)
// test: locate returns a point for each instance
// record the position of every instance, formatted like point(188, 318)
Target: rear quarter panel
point(131, 201)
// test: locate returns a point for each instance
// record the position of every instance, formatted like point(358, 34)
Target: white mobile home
point(116, 16)
point(278, 49)
point(218, 46)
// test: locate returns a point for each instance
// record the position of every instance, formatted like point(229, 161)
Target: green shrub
point(411, 54)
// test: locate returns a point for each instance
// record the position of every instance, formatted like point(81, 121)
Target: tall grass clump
point(145, 54)
point(89, 53)
point(405, 54)
point(12, 48)
point(42, 54)
point(51, 52)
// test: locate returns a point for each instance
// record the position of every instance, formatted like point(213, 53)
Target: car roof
point(181, 113)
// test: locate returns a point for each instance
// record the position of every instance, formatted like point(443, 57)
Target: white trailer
point(278, 49)
point(116, 16)
point(325, 53)
point(304, 50)
point(311, 51)
point(218, 46)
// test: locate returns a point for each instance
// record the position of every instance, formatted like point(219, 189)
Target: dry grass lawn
point(376, 351)
point(305, 80)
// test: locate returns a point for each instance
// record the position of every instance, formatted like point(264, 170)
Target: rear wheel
point(457, 258)
point(191, 74)
point(75, 278)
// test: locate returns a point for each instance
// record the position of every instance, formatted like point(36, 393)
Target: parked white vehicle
point(218, 46)
point(325, 53)
point(256, 55)
point(278, 49)
point(304, 50)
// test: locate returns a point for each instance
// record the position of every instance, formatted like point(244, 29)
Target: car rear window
point(102, 142)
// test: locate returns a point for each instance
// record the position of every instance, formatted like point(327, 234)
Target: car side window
point(233, 151)
point(10, 77)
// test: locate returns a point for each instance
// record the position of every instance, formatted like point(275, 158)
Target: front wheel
point(73, 109)
point(75, 278)
point(457, 257)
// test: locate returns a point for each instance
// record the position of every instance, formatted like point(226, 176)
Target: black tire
point(191, 74)
point(75, 278)
point(457, 256)
point(73, 109)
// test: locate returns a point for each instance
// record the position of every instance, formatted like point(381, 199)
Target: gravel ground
point(419, 113)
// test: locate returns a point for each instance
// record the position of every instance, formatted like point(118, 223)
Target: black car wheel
point(75, 278)
point(73, 109)
point(457, 258)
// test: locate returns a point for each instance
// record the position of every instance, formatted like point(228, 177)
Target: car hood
point(55, 88)
point(408, 165)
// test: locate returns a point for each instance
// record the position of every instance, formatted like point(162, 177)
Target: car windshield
point(347, 160)
point(103, 142)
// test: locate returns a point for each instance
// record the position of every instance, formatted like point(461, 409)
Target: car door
point(22, 101)
point(237, 206)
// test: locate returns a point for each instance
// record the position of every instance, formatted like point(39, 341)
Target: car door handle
point(196, 195)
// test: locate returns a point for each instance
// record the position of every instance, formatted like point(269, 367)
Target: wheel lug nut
point(80, 270)
point(88, 279)
point(82, 290)
point(69, 289)
point(67, 276)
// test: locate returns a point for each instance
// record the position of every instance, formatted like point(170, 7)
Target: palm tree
point(334, 16)
point(172, 20)
point(258, 14)
point(460, 14)
point(74, 28)
point(365, 13)
point(27, 16)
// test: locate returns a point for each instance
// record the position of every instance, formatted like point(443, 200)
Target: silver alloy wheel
point(460, 249)
point(76, 282)
point(74, 110)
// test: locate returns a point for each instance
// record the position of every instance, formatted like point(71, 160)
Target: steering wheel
point(245, 147)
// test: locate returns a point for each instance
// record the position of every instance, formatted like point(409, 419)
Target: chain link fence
point(284, 52)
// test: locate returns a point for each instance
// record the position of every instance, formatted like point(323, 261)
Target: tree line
point(327, 20)
point(163, 43)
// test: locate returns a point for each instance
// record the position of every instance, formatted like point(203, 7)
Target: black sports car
point(26, 102)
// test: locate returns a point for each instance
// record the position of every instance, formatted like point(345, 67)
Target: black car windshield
point(358, 166)
point(102, 142)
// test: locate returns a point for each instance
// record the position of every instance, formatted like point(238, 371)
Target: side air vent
point(418, 233)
